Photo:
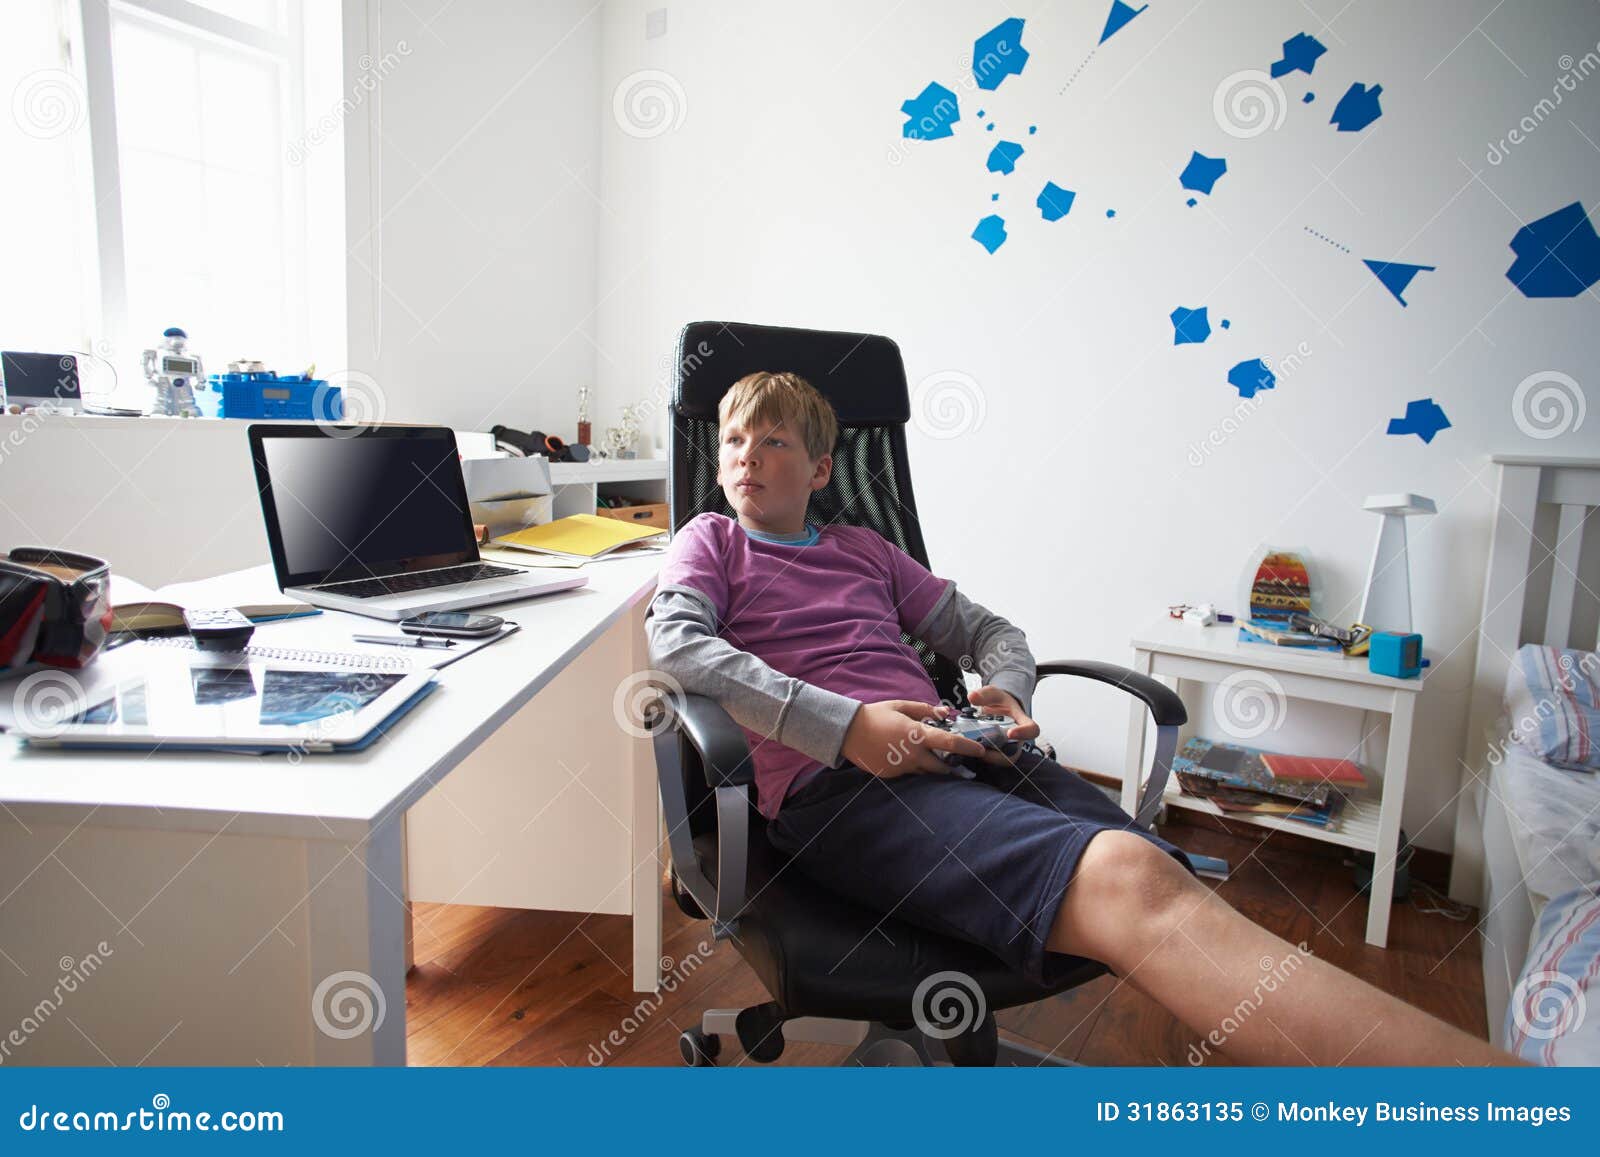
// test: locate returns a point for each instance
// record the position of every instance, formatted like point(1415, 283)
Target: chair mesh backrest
point(871, 481)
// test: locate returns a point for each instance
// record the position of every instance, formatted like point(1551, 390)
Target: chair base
point(875, 1044)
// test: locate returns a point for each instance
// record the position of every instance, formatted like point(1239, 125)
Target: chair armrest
point(1165, 706)
point(725, 762)
point(724, 753)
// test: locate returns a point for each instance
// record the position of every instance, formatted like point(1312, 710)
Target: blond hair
point(765, 398)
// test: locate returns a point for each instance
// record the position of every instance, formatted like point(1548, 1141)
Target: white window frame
point(104, 144)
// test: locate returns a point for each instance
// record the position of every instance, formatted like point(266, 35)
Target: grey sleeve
point(682, 631)
point(981, 641)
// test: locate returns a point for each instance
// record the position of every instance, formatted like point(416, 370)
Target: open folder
point(579, 537)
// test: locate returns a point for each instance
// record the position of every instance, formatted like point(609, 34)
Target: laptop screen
point(384, 502)
point(31, 379)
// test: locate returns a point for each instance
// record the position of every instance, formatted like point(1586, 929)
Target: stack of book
point(1244, 781)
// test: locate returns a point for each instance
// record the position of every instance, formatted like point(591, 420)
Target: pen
point(404, 640)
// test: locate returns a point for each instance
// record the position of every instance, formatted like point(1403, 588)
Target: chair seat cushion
point(821, 954)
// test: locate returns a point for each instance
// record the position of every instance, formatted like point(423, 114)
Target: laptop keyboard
point(404, 584)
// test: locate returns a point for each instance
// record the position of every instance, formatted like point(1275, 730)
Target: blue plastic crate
point(268, 395)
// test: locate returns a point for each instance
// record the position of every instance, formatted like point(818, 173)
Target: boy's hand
point(997, 702)
point(889, 739)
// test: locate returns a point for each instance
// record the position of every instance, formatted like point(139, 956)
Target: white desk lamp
point(1387, 605)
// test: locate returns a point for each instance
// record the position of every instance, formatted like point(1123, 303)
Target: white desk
point(227, 890)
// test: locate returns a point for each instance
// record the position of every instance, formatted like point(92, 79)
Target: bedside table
point(1258, 680)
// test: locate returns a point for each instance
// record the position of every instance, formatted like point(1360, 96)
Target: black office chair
point(836, 971)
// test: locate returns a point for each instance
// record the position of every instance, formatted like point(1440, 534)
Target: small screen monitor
point(40, 379)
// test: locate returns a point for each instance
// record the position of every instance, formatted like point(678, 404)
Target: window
point(204, 190)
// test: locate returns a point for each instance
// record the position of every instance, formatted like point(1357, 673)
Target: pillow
point(1549, 1019)
point(1553, 699)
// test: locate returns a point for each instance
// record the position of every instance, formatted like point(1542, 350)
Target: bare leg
point(1240, 988)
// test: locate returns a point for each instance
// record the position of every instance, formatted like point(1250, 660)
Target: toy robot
point(173, 371)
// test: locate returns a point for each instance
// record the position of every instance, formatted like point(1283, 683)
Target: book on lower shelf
point(1246, 781)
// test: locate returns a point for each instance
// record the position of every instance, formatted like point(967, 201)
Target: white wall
point(786, 195)
point(473, 215)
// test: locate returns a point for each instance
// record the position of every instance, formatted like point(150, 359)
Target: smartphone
point(455, 624)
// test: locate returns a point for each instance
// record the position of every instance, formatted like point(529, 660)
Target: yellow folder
point(578, 536)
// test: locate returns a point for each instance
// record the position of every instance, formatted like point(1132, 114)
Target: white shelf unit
point(577, 487)
point(1180, 654)
point(1358, 826)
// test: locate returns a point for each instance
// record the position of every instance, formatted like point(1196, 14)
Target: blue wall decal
point(1226, 323)
point(1557, 256)
point(1325, 237)
point(1309, 97)
point(1423, 418)
point(1003, 157)
point(1201, 173)
point(1249, 376)
point(1119, 15)
point(1076, 71)
point(1190, 326)
point(998, 53)
point(930, 115)
point(1300, 54)
point(1054, 202)
point(1357, 108)
point(991, 232)
point(1396, 275)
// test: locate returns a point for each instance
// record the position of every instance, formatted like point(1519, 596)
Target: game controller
point(969, 723)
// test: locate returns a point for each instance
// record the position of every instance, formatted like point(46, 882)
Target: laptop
point(376, 522)
point(41, 381)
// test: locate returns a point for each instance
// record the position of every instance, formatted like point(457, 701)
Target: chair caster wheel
point(760, 1029)
point(685, 900)
point(698, 1047)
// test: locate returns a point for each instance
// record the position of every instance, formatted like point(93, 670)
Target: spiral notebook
point(379, 658)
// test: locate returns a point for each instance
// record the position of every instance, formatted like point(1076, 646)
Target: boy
point(795, 630)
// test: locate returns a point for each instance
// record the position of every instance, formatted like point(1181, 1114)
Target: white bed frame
point(1533, 594)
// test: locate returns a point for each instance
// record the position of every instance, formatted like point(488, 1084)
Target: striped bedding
point(1553, 699)
point(1553, 1017)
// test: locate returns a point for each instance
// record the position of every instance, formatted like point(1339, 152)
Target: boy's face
point(768, 476)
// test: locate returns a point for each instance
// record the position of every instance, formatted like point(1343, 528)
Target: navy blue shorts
point(985, 860)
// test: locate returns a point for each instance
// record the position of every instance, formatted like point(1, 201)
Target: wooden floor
point(496, 986)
